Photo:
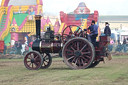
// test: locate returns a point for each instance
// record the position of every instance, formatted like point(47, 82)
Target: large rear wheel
point(78, 53)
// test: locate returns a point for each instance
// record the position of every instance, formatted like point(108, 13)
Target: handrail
point(8, 22)
point(3, 10)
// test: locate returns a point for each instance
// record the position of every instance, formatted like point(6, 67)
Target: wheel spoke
point(29, 57)
point(70, 29)
point(45, 56)
point(44, 64)
point(72, 48)
point(46, 61)
point(69, 52)
point(75, 61)
point(32, 56)
point(83, 47)
point(85, 59)
point(78, 29)
point(29, 64)
point(70, 58)
point(79, 62)
point(88, 56)
point(78, 46)
point(82, 61)
point(36, 57)
point(84, 53)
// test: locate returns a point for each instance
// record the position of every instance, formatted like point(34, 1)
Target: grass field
point(114, 72)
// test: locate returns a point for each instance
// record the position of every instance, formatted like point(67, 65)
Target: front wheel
point(33, 60)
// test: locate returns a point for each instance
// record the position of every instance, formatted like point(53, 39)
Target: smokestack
point(38, 26)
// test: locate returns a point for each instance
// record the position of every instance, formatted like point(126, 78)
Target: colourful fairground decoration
point(17, 19)
point(81, 16)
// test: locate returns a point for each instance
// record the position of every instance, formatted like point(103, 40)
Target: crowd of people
point(19, 47)
point(119, 47)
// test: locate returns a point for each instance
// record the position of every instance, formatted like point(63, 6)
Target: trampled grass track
point(114, 72)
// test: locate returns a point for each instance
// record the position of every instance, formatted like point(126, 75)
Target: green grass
point(124, 56)
point(114, 72)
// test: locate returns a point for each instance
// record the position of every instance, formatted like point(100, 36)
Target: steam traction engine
point(77, 51)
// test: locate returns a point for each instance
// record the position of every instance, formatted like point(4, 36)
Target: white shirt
point(12, 42)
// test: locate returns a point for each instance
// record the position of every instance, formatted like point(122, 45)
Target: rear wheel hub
point(77, 53)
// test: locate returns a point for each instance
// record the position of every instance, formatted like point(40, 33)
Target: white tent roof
point(22, 2)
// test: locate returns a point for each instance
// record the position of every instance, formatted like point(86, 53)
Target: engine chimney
point(36, 44)
point(38, 26)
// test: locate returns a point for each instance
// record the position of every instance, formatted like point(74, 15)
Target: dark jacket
point(124, 41)
point(107, 31)
point(93, 29)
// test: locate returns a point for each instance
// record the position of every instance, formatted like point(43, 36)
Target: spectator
point(12, 42)
point(30, 46)
point(124, 45)
point(110, 47)
point(5, 49)
point(107, 30)
point(19, 47)
point(119, 47)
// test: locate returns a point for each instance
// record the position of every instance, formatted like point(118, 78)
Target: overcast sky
point(105, 7)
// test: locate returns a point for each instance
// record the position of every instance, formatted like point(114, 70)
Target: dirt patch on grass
point(119, 54)
point(10, 56)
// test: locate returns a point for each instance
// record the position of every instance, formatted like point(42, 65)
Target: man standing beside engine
point(107, 30)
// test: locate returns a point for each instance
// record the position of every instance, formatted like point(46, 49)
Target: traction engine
point(77, 51)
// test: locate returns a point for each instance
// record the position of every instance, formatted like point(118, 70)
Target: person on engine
point(93, 32)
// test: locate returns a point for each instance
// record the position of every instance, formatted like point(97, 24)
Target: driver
point(93, 32)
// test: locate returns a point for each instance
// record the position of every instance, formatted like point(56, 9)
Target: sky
point(105, 7)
